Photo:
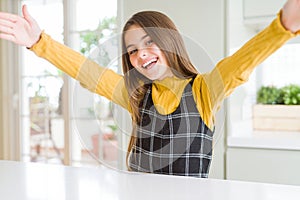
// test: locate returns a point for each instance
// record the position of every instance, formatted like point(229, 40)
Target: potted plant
point(277, 109)
point(109, 143)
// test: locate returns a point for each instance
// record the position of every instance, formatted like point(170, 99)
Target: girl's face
point(145, 55)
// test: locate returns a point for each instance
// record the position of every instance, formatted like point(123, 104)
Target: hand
point(290, 17)
point(21, 30)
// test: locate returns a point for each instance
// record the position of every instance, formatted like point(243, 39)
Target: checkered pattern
point(176, 144)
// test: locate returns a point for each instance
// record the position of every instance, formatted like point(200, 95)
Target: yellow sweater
point(209, 89)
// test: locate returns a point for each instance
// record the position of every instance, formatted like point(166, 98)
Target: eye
point(149, 42)
point(132, 51)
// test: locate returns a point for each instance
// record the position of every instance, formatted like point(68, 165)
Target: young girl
point(171, 104)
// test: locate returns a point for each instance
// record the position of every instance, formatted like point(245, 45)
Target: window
point(42, 123)
point(92, 124)
point(279, 70)
point(87, 133)
point(282, 68)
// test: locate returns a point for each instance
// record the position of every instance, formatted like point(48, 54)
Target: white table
point(33, 181)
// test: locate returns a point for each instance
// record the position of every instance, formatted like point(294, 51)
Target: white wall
point(201, 20)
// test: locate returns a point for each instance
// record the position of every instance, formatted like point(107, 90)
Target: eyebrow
point(130, 45)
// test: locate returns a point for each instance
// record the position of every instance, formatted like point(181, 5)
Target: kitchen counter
point(36, 181)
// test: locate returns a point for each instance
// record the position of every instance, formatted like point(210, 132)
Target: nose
point(142, 52)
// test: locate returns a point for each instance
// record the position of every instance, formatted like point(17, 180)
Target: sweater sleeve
point(95, 78)
point(235, 70)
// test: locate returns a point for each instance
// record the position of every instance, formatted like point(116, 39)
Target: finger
point(8, 16)
point(8, 37)
point(25, 11)
point(6, 23)
point(6, 30)
point(26, 14)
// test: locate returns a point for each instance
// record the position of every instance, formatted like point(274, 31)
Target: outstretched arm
point(26, 32)
point(235, 70)
point(22, 30)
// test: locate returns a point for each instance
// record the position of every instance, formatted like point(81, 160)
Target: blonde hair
point(165, 35)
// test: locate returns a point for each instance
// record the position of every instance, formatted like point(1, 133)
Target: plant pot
point(276, 117)
point(109, 147)
point(110, 150)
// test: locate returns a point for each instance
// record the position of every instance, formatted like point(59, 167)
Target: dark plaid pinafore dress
point(176, 144)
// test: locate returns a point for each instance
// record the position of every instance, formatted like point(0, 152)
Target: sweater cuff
point(39, 47)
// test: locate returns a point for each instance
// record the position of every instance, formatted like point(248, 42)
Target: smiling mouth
point(149, 63)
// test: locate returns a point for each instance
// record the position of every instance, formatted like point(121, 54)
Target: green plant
point(269, 95)
point(113, 127)
point(291, 94)
point(111, 135)
point(89, 39)
point(288, 95)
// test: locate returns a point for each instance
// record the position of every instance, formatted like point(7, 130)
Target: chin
point(151, 78)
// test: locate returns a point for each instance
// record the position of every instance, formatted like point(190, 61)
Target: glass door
point(87, 134)
point(95, 132)
point(42, 123)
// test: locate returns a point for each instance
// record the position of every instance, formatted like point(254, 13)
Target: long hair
point(165, 35)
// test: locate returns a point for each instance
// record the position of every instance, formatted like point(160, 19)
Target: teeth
point(145, 65)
